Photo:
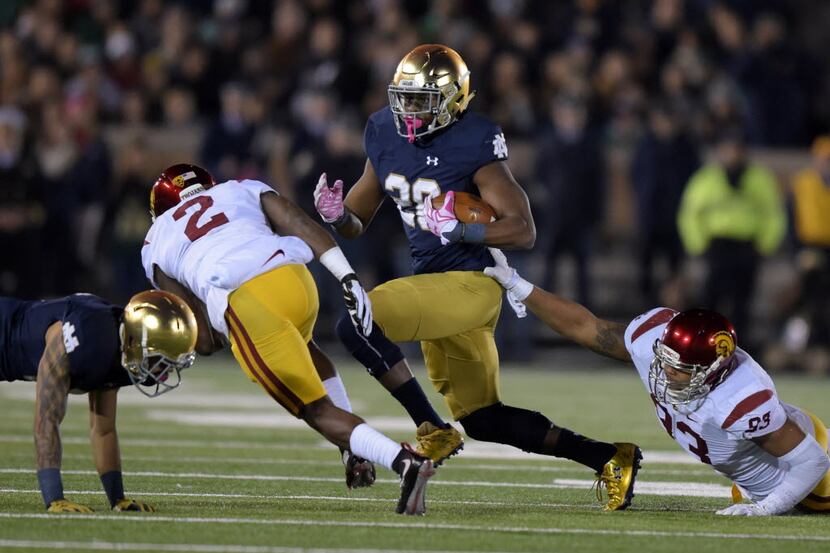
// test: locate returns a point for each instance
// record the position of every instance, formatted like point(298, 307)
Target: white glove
point(745, 510)
point(329, 201)
point(508, 277)
point(357, 303)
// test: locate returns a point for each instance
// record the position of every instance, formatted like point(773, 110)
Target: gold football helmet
point(158, 339)
point(430, 90)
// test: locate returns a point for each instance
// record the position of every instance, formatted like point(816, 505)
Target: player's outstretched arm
point(207, 339)
point(52, 389)
point(350, 218)
point(570, 319)
point(288, 219)
point(514, 228)
point(103, 405)
point(807, 461)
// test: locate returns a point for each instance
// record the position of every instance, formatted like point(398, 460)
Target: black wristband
point(342, 219)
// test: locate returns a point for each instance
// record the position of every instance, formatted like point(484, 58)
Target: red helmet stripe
point(745, 406)
point(661, 317)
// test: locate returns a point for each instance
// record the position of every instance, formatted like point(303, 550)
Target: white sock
point(337, 393)
point(370, 444)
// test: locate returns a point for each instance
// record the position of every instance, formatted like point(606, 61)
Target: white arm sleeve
point(808, 464)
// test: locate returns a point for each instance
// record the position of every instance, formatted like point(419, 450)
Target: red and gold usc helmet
point(430, 90)
point(176, 183)
point(158, 340)
point(699, 342)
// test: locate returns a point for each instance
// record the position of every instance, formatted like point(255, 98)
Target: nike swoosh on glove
point(442, 221)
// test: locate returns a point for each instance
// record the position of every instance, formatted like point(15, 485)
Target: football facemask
point(703, 377)
point(158, 374)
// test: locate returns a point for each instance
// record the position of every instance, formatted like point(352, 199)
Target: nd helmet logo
point(724, 344)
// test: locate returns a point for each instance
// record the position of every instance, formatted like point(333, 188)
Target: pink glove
point(329, 201)
point(441, 221)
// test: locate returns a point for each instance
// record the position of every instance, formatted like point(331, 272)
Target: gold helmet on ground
point(158, 339)
point(430, 90)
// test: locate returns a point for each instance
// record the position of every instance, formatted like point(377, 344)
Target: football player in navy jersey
point(82, 344)
point(424, 144)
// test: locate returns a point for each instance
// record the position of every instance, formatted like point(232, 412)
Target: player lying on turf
point(709, 395)
point(425, 143)
point(82, 344)
point(237, 252)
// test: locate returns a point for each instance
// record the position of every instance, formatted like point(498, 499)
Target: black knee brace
point(376, 352)
point(504, 424)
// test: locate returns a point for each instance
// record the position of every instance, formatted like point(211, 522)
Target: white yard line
point(411, 524)
point(472, 450)
point(189, 547)
point(309, 497)
point(170, 442)
point(693, 489)
point(458, 464)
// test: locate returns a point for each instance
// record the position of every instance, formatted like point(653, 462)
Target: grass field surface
point(228, 470)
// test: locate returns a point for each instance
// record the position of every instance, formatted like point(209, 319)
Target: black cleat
point(414, 471)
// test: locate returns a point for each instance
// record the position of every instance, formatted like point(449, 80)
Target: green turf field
point(229, 471)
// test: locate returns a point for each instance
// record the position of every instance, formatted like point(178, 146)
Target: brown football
point(469, 208)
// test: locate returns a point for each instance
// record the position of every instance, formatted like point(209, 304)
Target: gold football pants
point(271, 318)
point(819, 498)
point(453, 315)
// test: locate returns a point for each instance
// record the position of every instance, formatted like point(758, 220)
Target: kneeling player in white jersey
point(709, 395)
point(236, 251)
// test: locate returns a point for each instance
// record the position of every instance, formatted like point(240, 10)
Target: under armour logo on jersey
point(432, 161)
point(499, 146)
point(70, 342)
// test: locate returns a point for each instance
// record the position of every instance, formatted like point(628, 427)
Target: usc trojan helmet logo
point(430, 90)
point(724, 343)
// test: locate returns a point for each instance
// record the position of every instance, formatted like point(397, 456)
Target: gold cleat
point(618, 477)
point(436, 443)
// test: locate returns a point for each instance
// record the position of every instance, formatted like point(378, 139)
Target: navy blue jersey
point(90, 336)
point(445, 161)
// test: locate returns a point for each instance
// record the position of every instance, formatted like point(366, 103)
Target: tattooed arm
point(51, 397)
point(575, 322)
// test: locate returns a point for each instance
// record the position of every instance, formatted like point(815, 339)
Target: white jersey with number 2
point(214, 241)
point(719, 432)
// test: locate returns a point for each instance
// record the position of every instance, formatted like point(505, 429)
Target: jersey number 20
point(192, 230)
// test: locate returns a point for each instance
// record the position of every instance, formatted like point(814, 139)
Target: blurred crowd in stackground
point(634, 125)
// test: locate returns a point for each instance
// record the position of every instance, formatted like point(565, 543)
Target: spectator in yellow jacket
point(732, 213)
point(807, 329)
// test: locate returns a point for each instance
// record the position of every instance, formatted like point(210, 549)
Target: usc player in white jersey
point(709, 395)
point(236, 252)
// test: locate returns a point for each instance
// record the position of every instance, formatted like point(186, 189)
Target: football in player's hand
point(469, 208)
